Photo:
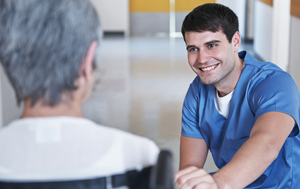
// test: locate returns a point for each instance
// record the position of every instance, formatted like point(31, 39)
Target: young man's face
point(212, 57)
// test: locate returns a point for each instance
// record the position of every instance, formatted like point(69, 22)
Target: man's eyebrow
point(207, 43)
point(190, 46)
point(213, 41)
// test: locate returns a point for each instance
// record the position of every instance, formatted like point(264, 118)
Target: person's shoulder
point(272, 74)
point(126, 137)
point(260, 71)
point(259, 65)
point(135, 140)
point(139, 150)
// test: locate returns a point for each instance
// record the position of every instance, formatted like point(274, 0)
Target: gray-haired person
point(47, 50)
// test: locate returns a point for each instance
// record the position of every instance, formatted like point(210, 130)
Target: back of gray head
point(42, 45)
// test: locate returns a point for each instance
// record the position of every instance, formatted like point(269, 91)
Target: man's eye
point(211, 45)
point(192, 49)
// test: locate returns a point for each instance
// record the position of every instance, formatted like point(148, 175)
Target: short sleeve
point(275, 91)
point(190, 111)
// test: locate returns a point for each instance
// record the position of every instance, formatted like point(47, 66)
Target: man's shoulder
point(258, 65)
point(268, 73)
point(256, 71)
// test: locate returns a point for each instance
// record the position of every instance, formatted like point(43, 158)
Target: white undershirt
point(222, 103)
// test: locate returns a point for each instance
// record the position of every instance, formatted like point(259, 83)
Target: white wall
point(239, 8)
point(281, 33)
point(249, 21)
point(179, 17)
point(294, 64)
point(1, 116)
point(149, 23)
point(9, 109)
point(263, 18)
point(114, 14)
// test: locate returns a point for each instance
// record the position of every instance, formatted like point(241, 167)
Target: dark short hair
point(43, 43)
point(211, 17)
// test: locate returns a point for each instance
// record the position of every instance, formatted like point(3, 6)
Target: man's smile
point(208, 68)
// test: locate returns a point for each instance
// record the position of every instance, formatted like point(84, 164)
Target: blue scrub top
point(262, 87)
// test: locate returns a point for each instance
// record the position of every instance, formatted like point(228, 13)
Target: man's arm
point(193, 152)
point(266, 139)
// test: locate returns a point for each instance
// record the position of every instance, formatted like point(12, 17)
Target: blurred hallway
point(141, 81)
point(140, 86)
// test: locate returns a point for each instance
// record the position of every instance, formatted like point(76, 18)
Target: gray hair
point(43, 43)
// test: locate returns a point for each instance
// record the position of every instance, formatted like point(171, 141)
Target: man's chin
point(205, 82)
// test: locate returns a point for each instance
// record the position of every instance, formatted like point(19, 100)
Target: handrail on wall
point(295, 6)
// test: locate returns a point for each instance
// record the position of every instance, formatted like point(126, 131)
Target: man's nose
point(203, 56)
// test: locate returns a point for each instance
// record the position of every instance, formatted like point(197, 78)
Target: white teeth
point(208, 68)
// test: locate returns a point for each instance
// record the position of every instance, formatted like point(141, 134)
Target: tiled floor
point(140, 86)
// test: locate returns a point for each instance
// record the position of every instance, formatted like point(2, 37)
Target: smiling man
point(244, 111)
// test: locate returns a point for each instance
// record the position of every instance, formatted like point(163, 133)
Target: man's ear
point(87, 63)
point(236, 40)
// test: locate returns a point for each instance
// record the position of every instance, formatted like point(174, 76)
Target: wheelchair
point(159, 176)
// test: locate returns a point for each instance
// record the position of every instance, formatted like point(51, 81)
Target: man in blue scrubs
point(244, 111)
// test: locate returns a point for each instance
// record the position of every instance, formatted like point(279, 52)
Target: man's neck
point(41, 110)
point(226, 88)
